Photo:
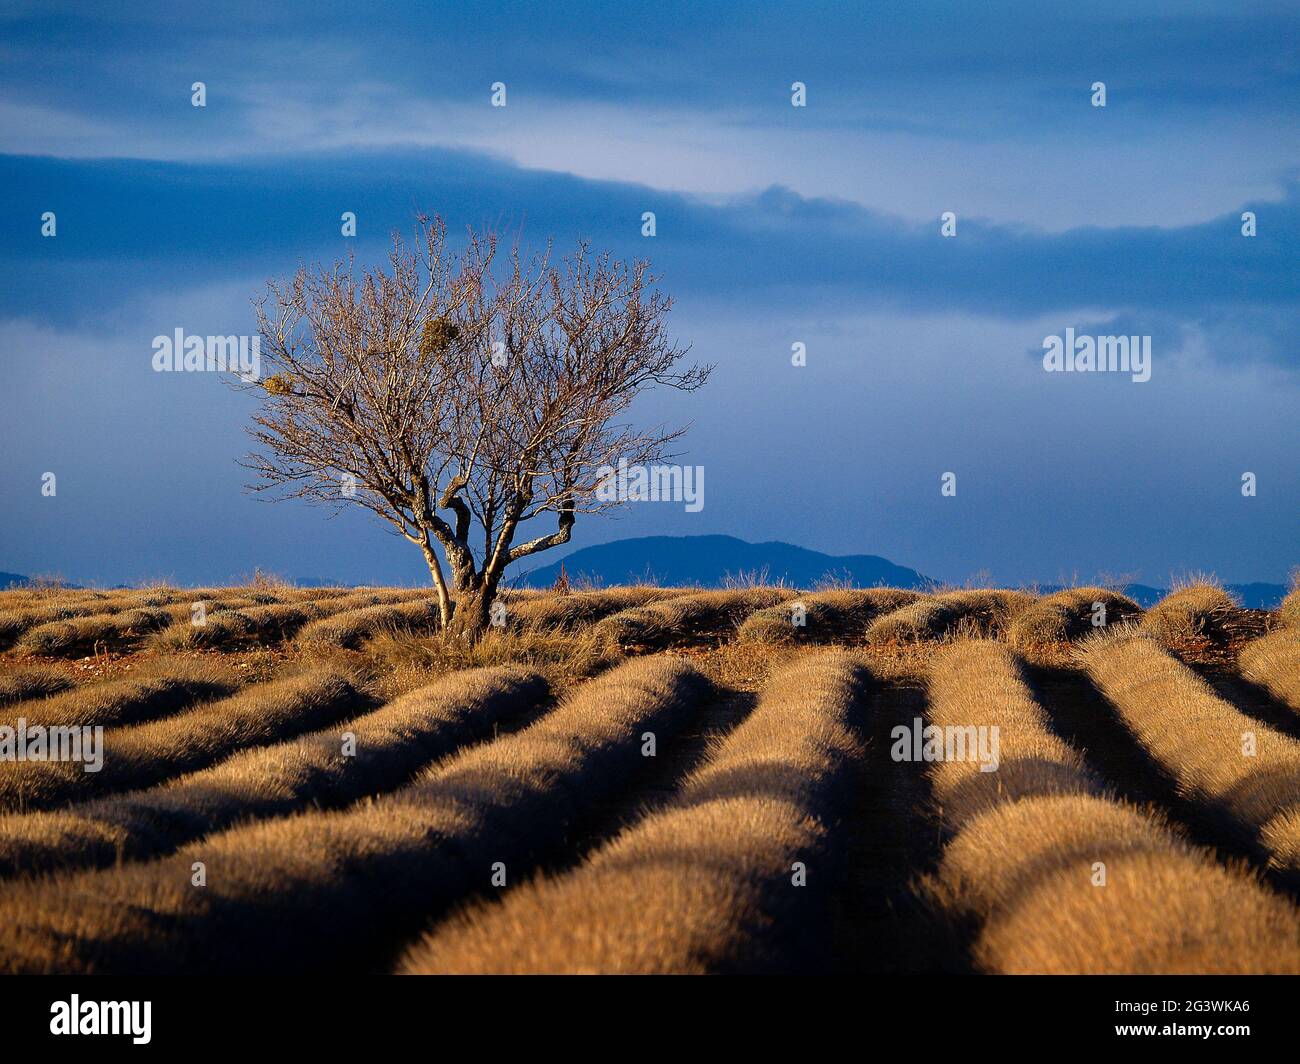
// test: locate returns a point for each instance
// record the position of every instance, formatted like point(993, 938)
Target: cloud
point(126, 226)
point(914, 108)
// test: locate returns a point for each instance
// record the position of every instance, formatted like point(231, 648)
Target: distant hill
point(709, 560)
point(1257, 596)
point(17, 580)
point(1143, 595)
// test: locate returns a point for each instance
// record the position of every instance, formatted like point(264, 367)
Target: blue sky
point(775, 225)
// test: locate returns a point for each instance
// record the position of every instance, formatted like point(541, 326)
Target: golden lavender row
point(1065, 616)
point(1218, 755)
point(19, 615)
point(1274, 663)
point(1289, 611)
point(144, 754)
point(731, 875)
point(272, 622)
point(349, 628)
point(697, 612)
point(259, 624)
point(1057, 876)
point(83, 633)
point(823, 616)
point(330, 768)
point(1200, 611)
point(129, 701)
point(16, 620)
point(328, 890)
point(566, 612)
point(952, 613)
point(25, 683)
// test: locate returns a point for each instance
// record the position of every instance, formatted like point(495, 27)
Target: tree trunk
point(470, 618)
point(445, 604)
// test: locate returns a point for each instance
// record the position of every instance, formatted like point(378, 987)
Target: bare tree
point(460, 397)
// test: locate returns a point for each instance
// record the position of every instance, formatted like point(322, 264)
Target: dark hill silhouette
point(709, 560)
